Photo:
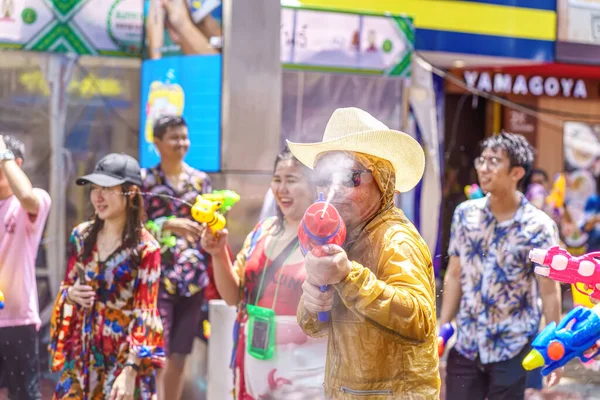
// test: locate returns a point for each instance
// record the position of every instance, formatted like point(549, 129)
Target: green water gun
point(155, 229)
point(227, 198)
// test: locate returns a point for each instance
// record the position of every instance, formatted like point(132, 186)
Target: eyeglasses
point(351, 179)
point(492, 162)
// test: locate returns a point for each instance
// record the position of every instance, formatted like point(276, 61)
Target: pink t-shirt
point(19, 241)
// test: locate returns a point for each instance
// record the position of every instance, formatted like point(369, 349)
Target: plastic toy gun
point(166, 241)
point(446, 332)
point(473, 192)
point(205, 212)
point(1, 301)
point(321, 225)
point(559, 265)
point(557, 345)
point(556, 198)
point(227, 198)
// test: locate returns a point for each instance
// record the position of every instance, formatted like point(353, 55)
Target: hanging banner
point(326, 40)
point(84, 27)
point(578, 33)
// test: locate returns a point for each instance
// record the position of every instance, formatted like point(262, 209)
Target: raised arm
point(19, 182)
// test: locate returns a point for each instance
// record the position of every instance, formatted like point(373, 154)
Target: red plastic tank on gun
point(321, 224)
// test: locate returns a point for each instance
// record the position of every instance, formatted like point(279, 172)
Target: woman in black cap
point(106, 333)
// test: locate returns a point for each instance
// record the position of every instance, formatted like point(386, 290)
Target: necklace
point(108, 249)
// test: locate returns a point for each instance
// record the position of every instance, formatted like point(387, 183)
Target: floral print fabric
point(91, 346)
point(184, 266)
point(499, 311)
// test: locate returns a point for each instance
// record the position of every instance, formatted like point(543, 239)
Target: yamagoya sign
point(523, 85)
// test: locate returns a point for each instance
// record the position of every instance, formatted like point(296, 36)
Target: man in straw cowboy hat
point(382, 325)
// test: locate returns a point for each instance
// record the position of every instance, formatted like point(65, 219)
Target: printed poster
point(187, 86)
point(84, 27)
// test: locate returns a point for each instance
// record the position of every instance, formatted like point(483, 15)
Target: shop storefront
point(542, 99)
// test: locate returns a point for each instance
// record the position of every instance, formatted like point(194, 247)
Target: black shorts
point(20, 362)
point(182, 319)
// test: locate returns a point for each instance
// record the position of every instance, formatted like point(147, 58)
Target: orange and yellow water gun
point(556, 198)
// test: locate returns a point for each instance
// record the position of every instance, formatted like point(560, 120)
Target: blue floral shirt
point(499, 310)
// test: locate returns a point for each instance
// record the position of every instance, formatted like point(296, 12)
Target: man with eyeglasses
point(381, 299)
point(490, 286)
point(186, 281)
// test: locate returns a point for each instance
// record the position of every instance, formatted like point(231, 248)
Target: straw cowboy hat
point(352, 129)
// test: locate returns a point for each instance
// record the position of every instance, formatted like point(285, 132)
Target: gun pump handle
point(323, 315)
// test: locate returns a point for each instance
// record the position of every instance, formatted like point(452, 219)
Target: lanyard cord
point(262, 278)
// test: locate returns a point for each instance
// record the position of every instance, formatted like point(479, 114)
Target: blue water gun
point(557, 345)
point(446, 332)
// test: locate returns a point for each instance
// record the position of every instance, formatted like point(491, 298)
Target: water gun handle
point(446, 332)
point(323, 315)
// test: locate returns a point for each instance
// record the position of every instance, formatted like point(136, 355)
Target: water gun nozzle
point(533, 360)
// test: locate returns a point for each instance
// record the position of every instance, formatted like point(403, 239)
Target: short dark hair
point(15, 146)
point(517, 148)
point(540, 171)
point(527, 180)
point(163, 124)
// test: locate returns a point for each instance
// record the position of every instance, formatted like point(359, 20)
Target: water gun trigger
point(574, 314)
point(593, 293)
point(585, 359)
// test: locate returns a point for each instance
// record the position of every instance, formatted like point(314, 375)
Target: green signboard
point(336, 41)
point(93, 27)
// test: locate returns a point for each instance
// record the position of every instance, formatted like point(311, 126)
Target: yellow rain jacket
point(382, 327)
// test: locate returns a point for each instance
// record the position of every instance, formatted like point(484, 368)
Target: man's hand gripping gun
point(574, 336)
point(559, 265)
point(322, 224)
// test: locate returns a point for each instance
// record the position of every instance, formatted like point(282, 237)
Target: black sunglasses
point(353, 179)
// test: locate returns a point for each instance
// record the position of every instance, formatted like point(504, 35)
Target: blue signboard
point(188, 86)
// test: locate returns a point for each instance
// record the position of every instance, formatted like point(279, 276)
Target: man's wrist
point(131, 368)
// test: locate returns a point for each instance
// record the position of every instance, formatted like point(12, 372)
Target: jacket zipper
point(364, 392)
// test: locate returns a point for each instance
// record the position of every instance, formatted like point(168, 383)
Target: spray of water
point(164, 196)
point(335, 184)
point(337, 168)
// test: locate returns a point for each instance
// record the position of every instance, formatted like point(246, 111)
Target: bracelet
point(133, 365)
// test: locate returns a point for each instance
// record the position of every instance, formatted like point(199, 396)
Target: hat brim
point(100, 180)
point(402, 151)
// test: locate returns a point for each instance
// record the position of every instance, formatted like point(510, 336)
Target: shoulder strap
point(275, 266)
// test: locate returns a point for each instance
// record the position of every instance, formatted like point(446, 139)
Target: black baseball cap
point(112, 170)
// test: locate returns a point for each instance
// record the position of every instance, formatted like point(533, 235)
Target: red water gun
point(321, 225)
point(559, 265)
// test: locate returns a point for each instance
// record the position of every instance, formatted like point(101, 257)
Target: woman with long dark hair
point(265, 283)
point(106, 332)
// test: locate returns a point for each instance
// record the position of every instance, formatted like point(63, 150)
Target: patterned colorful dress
point(91, 346)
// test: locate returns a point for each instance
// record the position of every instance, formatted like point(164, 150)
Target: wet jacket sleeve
point(399, 296)
point(309, 322)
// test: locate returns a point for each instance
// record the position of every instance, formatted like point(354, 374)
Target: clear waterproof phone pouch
point(261, 332)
